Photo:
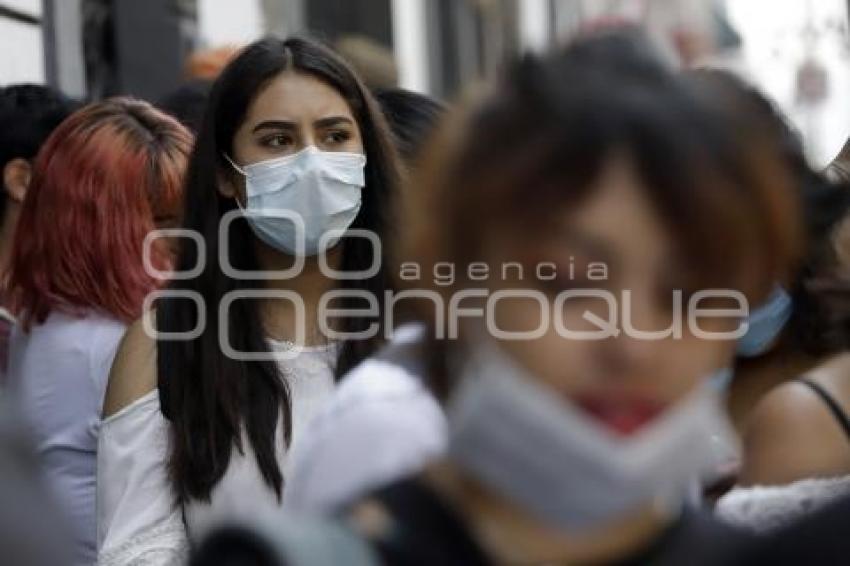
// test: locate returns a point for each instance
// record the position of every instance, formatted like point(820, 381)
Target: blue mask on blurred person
point(765, 324)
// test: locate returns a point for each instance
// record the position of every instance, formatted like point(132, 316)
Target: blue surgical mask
point(323, 188)
point(765, 324)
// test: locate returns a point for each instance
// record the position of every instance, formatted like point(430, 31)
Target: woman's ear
point(227, 184)
point(17, 175)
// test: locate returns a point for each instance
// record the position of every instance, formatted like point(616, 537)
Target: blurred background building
point(798, 51)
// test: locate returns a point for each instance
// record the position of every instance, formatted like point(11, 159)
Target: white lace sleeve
point(137, 520)
point(766, 508)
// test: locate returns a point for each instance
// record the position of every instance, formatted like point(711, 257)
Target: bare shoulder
point(833, 375)
point(791, 435)
point(133, 373)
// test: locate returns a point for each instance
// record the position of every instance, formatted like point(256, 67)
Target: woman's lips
point(623, 416)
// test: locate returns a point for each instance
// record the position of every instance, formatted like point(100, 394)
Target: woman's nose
point(645, 330)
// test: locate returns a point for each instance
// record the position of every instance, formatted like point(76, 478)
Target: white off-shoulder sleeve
point(138, 522)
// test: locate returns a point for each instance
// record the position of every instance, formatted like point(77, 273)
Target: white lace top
point(137, 521)
point(766, 508)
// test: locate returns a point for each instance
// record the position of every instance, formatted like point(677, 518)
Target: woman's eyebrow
point(274, 125)
point(332, 121)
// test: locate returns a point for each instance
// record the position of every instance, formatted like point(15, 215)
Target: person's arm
point(790, 436)
point(133, 373)
point(33, 531)
point(137, 515)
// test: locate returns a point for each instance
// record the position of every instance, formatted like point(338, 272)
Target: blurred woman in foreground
point(577, 392)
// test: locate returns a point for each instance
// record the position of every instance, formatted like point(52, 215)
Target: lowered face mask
point(322, 188)
point(548, 456)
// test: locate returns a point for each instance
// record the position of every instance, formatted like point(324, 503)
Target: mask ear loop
point(241, 172)
point(233, 164)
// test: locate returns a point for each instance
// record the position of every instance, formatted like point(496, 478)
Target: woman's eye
point(337, 137)
point(279, 140)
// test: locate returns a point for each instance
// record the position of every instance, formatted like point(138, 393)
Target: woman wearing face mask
point(786, 334)
point(796, 437)
point(292, 156)
point(787, 397)
point(791, 332)
point(570, 442)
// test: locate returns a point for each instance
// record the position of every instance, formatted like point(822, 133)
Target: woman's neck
point(511, 536)
point(296, 319)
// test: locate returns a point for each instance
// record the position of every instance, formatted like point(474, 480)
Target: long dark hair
point(210, 398)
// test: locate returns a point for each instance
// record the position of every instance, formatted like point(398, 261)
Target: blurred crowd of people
point(224, 339)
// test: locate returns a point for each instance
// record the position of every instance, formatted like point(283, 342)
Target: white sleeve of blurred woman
point(381, 425)
point(138, 521)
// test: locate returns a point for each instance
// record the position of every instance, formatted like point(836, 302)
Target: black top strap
point(831, 403)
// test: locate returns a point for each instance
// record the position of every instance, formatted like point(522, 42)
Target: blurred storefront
point(21, 41)
point(797, 51)
point(102, 47)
